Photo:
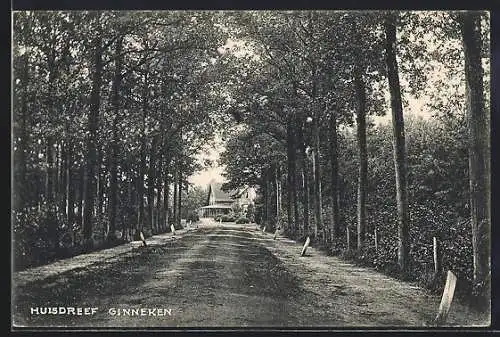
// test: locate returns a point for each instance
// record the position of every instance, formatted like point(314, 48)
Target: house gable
point(221, 202)
point(216, 196)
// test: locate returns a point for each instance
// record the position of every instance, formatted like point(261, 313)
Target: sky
point(204, 177)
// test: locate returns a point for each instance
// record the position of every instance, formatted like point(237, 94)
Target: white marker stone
point(449, 291)
point(308, 241)
point(142, 238)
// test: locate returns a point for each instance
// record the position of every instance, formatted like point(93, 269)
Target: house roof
point(216, 206)
point(219, 194)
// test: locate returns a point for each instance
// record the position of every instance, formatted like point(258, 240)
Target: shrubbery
point(228, 218)
point(438, 198)
point(438, 195)
point(242, 220)
point(39, 237)
point(193, 216)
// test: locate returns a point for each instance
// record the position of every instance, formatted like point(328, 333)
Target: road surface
point(223, 276)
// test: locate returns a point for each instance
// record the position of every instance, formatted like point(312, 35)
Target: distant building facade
point(221, 202)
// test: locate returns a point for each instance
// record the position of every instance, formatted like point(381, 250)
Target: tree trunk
point(113, 186)
point(270, 194)
point(81, 193)
point(57, 172)
point(272, 197)
point(363, 156)
point(400, 161)
point(278, 197)
point(312, 192)
point(290, 176)
point(293, 168)
point(479, 157)
point(99, 182)
point(176, 189)
point(92, 126)
point(179, 195)
point(318, 203)
point(49, 175)
point(305, 184)
point(265, 188)
point(267, 198)
point(113, 160)
point(335, 176)
point(21, 167)
point(152, 183)
point(128, 225)
point(63, 180)
point(140, 186)
point(142, 170)
point(166, 197)
point(70, 191)
point(159, 198)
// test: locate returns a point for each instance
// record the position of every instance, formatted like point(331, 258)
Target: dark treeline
point(311, 93)
point(110, 111)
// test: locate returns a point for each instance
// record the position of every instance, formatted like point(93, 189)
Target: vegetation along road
point(226, 276)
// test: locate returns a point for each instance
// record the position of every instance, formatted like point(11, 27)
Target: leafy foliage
point(95, 91)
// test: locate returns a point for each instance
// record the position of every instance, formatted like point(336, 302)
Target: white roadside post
point(172, 228)
point(276, 233)
point(142, 238)
point(305, 246)
point(444, 306)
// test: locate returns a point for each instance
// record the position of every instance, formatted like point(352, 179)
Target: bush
point(37, 233)
point(193, 216)
point(242, 220)
point(337, 246)
point(251, 215)
point(228, 218)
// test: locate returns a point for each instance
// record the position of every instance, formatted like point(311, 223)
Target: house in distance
point(221, 202)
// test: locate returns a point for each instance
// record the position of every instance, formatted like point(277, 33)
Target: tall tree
point(399, 149)
point(292, 207)
point(152, 182)
point(115, 101)
point(92, 125)
point(333, 141)
point(23, 136)
point(362, 153)
point(143, 149)
point(479, 167)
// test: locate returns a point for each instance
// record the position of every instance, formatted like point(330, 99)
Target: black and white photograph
point(240, 169)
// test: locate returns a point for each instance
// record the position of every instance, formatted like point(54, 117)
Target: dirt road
point(226, 276)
